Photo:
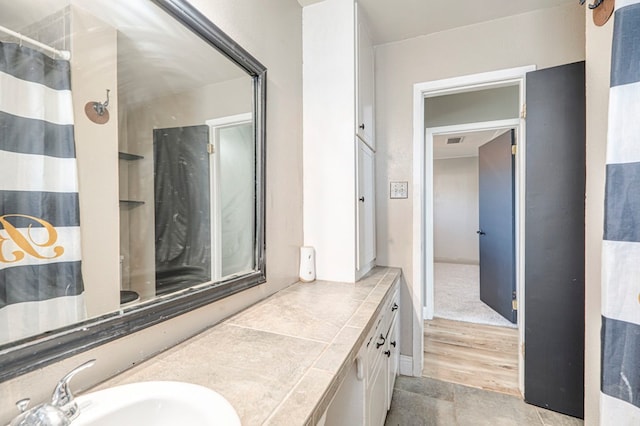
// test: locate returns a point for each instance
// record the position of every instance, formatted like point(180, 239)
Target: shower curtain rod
point(63, 54)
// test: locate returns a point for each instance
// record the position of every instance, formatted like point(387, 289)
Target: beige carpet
point(457, 295)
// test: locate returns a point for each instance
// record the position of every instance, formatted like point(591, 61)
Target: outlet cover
point(399, 190)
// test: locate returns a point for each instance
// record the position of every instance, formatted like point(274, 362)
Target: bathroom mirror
point(132, 149)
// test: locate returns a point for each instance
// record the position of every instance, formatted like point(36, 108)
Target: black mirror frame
point(20, 357)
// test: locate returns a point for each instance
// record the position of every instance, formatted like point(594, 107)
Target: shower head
point(97, 111)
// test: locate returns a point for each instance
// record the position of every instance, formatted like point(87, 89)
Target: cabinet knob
point(361, 199)
point(387, 353)
point(394, 307)
point(393, 343)
point(378, 344)
point(361, 126)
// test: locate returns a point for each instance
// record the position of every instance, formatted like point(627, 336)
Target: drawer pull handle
point(378, 344)
point(387, 353)
point(393, 343)
point(395, 307)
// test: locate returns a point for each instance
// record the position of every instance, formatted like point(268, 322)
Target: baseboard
point(425, 314)
point(457, 261)
point(406, 365)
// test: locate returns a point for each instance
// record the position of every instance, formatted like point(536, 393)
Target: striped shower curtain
point(40, 278)
point(620, 385)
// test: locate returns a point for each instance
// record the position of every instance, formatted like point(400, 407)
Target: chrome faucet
point(59, 412)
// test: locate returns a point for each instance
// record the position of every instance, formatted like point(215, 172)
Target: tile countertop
point(280, 361)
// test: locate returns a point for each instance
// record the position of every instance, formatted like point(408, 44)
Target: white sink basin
point(157, 404)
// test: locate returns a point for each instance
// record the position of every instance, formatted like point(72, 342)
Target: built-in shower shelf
point(128, 156)
point(131, 203)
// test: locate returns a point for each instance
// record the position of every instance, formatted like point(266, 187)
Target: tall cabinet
point(338, 140)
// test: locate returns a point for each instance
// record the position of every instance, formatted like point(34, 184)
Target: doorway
point(474, 226)
point(471, 336)
point(553, 198)
point(423, 247)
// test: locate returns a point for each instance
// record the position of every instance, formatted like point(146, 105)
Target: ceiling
point(395, 20)
point(152, 58)
point(467, 148)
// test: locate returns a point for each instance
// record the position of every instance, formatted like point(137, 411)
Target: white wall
point(271, 31)
point(544, 38)
point(472, 107)
point(598, 65)
point(93, 71)
point(455, 210)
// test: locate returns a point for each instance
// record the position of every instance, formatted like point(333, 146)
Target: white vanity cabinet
point(382, 358)
point(364, 397)
point(338, 140)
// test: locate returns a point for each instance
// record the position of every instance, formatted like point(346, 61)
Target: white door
point(366, 84)
point(366, 206)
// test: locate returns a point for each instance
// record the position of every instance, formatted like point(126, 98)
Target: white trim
point(406, 365)
point(437, 88)
point(418, 274)
point(214, 183)
point(520, 228)
point(469, 83)
point(229, 120)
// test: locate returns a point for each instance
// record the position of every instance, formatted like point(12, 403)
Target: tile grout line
point(542, 423)
point(328, 345)
point(277, 333)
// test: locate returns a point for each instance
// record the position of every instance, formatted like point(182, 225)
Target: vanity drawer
point(390, 310)
point(376, 340)
point(375, 345)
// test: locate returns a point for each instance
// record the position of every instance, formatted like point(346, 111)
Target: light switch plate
point(399, 190)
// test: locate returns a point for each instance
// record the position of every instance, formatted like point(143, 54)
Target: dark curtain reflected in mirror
point(182, 207)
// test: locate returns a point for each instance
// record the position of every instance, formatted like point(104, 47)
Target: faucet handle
point(62, 393)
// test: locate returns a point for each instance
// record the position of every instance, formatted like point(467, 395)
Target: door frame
point(422, 250)
point(216, 124)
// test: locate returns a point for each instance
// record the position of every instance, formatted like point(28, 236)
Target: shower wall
point(53, 30)
point(93, 70)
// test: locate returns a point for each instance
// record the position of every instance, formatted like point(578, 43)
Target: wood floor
point(476, 355)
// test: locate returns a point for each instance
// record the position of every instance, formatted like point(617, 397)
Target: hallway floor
point(476, 355)
point(422, 401)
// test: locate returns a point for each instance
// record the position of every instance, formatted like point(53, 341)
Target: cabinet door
point(347, 406)
point(393, 346)
point(366, 206)
point(366, 83)
point(377, 394)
